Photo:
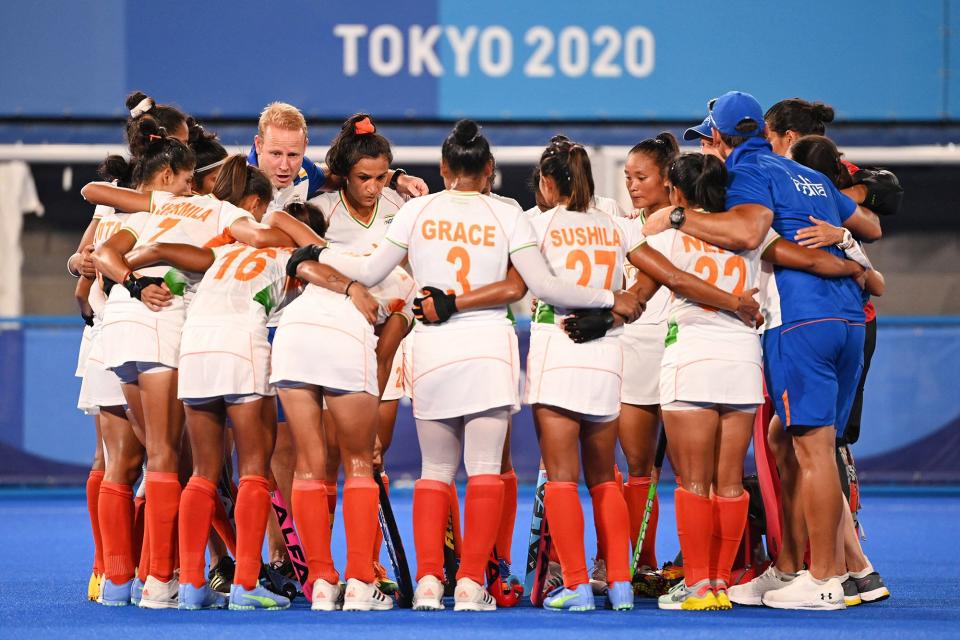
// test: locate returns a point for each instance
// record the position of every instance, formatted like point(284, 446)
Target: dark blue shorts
point(812, 369)
point(281, 416)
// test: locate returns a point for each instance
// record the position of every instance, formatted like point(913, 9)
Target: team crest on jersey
point(808, 188)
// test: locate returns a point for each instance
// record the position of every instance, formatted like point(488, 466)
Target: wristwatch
point(847, 241)
point(396, 178)
point(677, 217)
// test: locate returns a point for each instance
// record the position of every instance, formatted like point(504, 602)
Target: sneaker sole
point(428, 607)
point(473, 606)
point(242, 607)
point(747, 602)
point(579, 608)
point(807, 606)
point(151, 604)
point(116, 603)
point(324, 607)
point(365, 606)
point(876, 595)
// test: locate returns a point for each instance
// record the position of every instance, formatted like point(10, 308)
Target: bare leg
point(821, 496)
point(794, 531)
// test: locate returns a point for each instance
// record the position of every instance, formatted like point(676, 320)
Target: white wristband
point(77, 274)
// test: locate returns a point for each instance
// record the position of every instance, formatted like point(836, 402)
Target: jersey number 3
point(460, 258)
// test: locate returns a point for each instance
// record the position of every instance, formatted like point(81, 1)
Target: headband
point(212, 165)
point(142, 107)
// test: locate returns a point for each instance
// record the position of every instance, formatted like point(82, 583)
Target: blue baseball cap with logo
point(736, 108)
point(702, 130)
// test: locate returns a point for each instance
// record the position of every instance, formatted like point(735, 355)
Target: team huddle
point(296, 302)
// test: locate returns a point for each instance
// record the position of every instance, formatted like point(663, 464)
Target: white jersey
point(505, 200)
point(769, 297)
point(458, 241)
point(294, 192)
point(608, 206)
point(585, 248)
point(109, 223)
point(657, 306)
point(349, 233)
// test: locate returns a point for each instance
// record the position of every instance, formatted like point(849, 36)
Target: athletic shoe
point(326, 596)
point(598, 577)
point(720, 593)
point(429, 594)
point(564, 599)
point(284, 568)
point(384, 583)
point(257, 598)
point(672, 573)
point(505, 574)
point(649, 583)
point(871, 587)
point(470, 596)
point(620, 596)
point(220, 577)
point(115, 595)
point(851, 597)
point(158, 594)
point(93, 586)
point(136, 591)
point(807, 593)
point(699, 597)
point(191, 598)
point(362, 596)
point(751, 593)
point(554, 577)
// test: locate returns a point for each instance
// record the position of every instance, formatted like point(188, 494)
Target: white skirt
point(642, 355)
point(462, 369)
point(100, 386)
point(395, 388)
point(133, 333)
point(584, 378)
point(85, 342)
point(328, 344)
point(221, 359)
point(710, 365)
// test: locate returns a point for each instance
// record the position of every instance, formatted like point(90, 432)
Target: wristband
point(396, 178)
point(346, 292)
point(77, 274)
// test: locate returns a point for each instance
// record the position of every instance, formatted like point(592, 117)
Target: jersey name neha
point(184, 210)
point(691, 244)
point(476, 234)
point(585, 236)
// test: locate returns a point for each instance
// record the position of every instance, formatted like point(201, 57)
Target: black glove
point(585, 325)
point(444, 303)
point(884, 193)
point(136, 285)
point(107, 285)
point(308, 252)
point(87, 319)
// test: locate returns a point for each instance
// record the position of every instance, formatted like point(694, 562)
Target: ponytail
point(237, 180)
point(803, 117)
point(466, 150)
point(568, 164)
point(662, 150)
point(701, 178)
point(140, 106)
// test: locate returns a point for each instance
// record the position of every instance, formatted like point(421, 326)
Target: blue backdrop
point(911, 421)
point(873, 60)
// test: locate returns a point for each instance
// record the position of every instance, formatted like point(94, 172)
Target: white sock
point(859, 575)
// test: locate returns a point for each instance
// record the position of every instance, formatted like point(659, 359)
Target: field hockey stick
point(651, 495)
point(536, 532)
point(391, 537)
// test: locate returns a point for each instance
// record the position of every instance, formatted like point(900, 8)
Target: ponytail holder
point(154, 137)
point(363, 127)
point(142, 107)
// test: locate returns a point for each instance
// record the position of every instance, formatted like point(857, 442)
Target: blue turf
point(45, 553)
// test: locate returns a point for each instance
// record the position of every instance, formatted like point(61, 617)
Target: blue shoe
point(191, 598)
point(116, 595)
point(136, 591)
point(620, 596)
point(257, 598)
point(579, 599)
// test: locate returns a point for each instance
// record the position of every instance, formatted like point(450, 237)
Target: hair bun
point(139, 103)
point(822, 112)
point(466, 132)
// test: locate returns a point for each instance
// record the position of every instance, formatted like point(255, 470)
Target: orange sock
point(618, 477)
point(309, 502)
point(378, 538)
point(360, 499)
point(508, 515)
point(695, 530)
point(612, 522)
point(431, 508)
point(94, 481)
point(115, 509)
point(455, 517)
point(196, 513)
point(565, 516)
point(252, 510)
point(221, 524)
point(163, 502)
point(636, 492)
point(139, 515)
point(482, 510)
point(729, 520)
point(143, 568)
point(331, 489)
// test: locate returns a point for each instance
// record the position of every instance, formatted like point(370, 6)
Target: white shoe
point(326, 596)
point(807, 593)
point(362, 596)
point(159, 595)
point(429, 594)
point(751, 593)
point(470, 596)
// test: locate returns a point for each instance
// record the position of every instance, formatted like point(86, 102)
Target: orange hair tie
point(363, 127)
point(153, 137)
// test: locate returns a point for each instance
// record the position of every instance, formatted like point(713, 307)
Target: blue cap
point(731, 109)
point(702, 130)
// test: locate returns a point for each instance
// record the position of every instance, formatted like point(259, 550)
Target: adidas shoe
point(806, 592)
point(363, 596)
point(751, 593)
point(191, 598)
point(220, 577)
point(598, 577)
point(577, 599)
point(384, 583)
point(257, 598)
point(429, 594)
point(470, 596)
point(620, 596)
point(158, 594)
point(698, 597)
point(115, 595)
point(326, 596)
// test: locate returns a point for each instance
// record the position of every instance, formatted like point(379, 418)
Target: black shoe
point(220, 577)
